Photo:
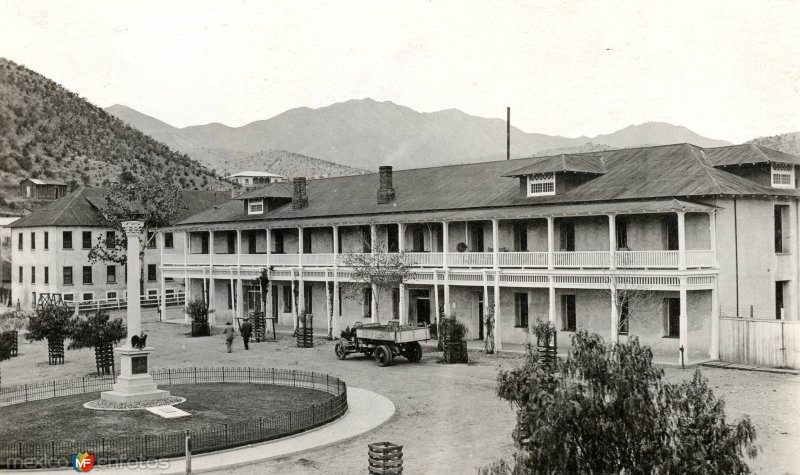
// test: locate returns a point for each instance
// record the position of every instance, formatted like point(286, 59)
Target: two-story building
point(50, 247)
point(255, 179)
point(564, 238)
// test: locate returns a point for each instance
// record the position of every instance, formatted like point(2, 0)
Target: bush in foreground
point(607, 409)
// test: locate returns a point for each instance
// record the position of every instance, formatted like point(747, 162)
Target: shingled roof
point(580, 163)
point(748, 154)
point(83, 207)
point(646, 173)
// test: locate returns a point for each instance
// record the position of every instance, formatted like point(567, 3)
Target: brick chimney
point(385, 190)
point(299, 197)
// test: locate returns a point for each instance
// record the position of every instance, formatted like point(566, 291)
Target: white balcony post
point(238, 247)
point(187, 241)
point(187, 297)
point(374, 303)
point(684, 323)
point(403, 310)
point(240, 296)
point(485, 303)
point(550, 243)
point(328, 309)
point(445, 241)
point(232, 289)
point(211, 250)
point(495, 243)
point(612, 240)
point(713, 352)
point(551, 314)
point(614, 314)
point(336, 316)
point(401, 238)
point(712, 236)
point(295, 306)
point(335, 246)
point(373, 239)
point(681, 240)
point(212, 302)
point(436, 295)
point(163, 305)
point(300, 249)
point(269, 246)
point(446, 285)
point(498, 342)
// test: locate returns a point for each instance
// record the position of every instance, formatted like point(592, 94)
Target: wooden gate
point(762, 342)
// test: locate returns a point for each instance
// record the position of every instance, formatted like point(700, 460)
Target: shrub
point(198, 311)
point(607, 409)
point(51, 322)
point(95, 329)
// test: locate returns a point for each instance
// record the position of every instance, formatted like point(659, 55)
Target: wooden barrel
point(385, 458)
point(455, 352)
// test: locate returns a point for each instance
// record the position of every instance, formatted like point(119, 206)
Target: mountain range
point(365, 134)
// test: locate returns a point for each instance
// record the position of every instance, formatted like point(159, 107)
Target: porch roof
point(518, 212)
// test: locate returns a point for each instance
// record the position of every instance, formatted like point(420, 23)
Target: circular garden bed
point(251, 405)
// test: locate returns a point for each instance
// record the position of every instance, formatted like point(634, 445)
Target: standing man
point(228, 334)
point(247, 330)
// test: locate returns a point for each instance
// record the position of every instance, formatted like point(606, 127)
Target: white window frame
point(783, 171)
point(111, 295)
point(68, 297)
point(543, 183)
point(84, 294)
point(259, 209)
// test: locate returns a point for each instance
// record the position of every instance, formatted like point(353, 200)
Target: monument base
point(134, 383)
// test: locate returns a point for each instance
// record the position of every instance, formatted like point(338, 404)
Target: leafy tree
point(97, 331)
point(607, 409)
point(374, 272)
point(51, 323)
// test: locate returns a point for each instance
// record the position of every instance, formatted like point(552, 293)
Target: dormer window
point(782, 176)
point(540, 184)
point(255, 206)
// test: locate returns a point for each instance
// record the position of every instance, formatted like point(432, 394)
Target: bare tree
point(375, 273)
point(633, 298)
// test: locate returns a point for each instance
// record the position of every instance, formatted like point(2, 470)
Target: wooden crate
point(385, 458)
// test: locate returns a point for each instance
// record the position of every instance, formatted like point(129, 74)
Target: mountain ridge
point(365, 133)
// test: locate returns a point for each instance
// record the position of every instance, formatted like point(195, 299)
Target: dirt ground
point(448, 417)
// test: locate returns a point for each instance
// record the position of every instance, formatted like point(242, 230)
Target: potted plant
point(97, 331)
point(52, 323)
point(453, 333)
point(10, 324)
point(198, 311)
point(461, 247)
point(545, 340)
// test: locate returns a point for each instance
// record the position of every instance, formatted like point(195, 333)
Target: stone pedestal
point(134, 383)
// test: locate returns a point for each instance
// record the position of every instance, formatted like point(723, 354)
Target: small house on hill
point(35, 188)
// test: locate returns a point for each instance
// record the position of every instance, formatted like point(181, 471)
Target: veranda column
point(445, 241)
point(446, 285)
point(240, 296)
point(212, 302)
point(713, 351)
point(551, 314)
point(373, 239)
point(401, 238)
point(436, 296)
point(300, 248)
point(614, 315)
point(328, 309)
point(294, 302)
point(374, 304)
point(269, 246)
point(187, 297)
point(187, 242)
point(550, 243)
point(211, 251)
point(684, 323)
point(238, 247)
point(612, 240)
point(336, 316)
point(232, 290)
point(495, 243)
point(335, 246)
point(681, 240)
point(403, 310)
point(712, 236)
point(485, 303)
point(498, 342)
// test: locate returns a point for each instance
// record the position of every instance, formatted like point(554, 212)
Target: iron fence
point(120, 450)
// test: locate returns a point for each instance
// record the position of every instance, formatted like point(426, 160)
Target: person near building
point(247, 330)
point(228, 333)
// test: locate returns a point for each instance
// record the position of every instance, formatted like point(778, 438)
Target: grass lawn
point(211, 404)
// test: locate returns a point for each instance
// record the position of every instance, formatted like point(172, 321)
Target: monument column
point(134, 383)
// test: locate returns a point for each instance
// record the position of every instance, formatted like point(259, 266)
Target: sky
point(725, 69)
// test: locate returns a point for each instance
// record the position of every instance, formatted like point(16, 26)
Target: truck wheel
point(383, 355)
point(341, 352)
point(414, 352)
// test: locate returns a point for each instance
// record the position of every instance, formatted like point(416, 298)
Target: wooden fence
point(762, 342)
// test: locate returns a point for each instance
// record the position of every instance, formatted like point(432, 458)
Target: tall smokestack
point(508, 133)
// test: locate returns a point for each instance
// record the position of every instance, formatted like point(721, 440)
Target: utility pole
point(508, 133)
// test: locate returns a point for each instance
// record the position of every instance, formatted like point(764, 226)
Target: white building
point(252, 179)
point(50, 247)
